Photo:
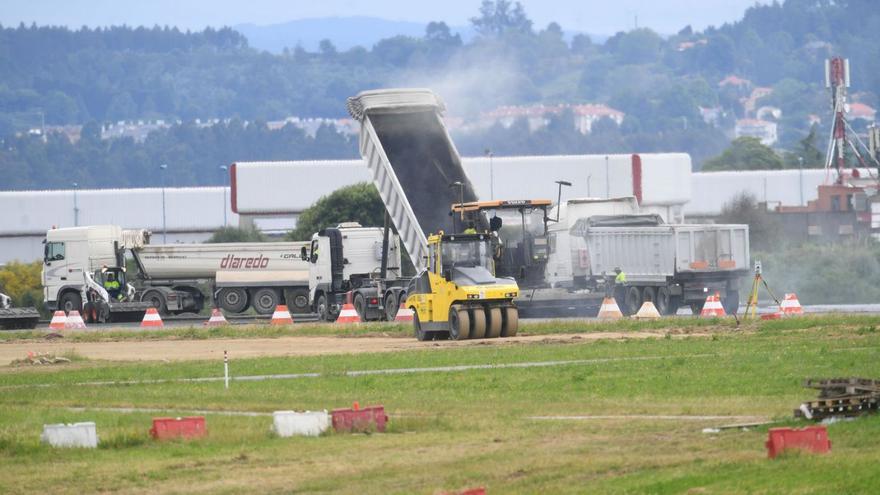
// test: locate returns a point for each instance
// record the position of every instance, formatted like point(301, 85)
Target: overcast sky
point(595, 16)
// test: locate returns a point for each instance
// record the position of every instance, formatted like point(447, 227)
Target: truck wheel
point(459, 323)
point(324, 312)
point(265, 301)
point(697, 307)
point(421, 335)
point(297, 300)
point(360, 305)
point(233, 300)
point(157, 300)
point(663, 301)
point(391, 306)
point(511, 322)
point(70, 301)
point(633, 300)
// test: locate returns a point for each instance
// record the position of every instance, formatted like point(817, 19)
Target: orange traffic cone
point(609, 310)
point(791, 306)
point(217, 319)
point(713, 307)
point(74, 320)
point(59, 320)
point(647, 312)
point(152, 319)
point(404, 313)
point(348, 314)
point(281, 316)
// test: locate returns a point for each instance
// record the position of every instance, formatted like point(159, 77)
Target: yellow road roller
point(458, 294)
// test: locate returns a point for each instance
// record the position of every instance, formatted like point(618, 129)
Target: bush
point(23, 283)
point(237, 234)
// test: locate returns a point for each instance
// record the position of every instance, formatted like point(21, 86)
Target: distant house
point(736, 82)
point(687, 45)
point(538, 116)
point(761, 129)
point(750, 103)
point(711, 115)
point(586, 115)
point(861, 111)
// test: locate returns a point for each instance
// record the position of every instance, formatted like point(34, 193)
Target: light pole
point(801, 178)
point(75, 205)
point(589, 194)
point(223, 169)
point(607, 179)
point(489, 153)
point(162, 169)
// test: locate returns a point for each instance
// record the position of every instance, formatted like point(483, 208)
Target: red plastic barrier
point(371, 418)
point(169, 428)
point(812, 438)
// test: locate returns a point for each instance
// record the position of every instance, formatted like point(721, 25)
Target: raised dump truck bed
point(413, 162)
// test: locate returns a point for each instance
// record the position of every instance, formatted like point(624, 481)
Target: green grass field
point(460, 429)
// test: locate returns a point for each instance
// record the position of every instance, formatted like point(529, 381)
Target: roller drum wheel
point(511, 322)
point(495, 323)
point(478, 324)
point(459, 323)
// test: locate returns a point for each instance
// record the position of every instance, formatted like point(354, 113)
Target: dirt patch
point(182, 350)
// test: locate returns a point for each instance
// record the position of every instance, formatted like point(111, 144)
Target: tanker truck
point(85, 268)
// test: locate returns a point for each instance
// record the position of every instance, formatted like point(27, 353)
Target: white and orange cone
point(713, 307)
point(647, 312)
point(281, 316)
point(791, 306)
point(152, 319)
point(74, 320)
point(404, 313)
point(217, 319)
point(348, 314)
point(609, 310)
point(59, 321)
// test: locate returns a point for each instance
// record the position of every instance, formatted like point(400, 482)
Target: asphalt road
point(195, 320)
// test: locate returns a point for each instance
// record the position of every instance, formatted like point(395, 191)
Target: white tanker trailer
point(87, 265)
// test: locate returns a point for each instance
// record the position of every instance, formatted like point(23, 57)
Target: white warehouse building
point(271, 195)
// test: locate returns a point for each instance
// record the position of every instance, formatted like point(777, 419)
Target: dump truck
point(85, 269)
point(359, 262)
point(12, 318)
point(671, 265)
point(418, 173)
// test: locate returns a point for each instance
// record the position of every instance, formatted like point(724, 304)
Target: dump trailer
point(12, 318)
point(85, 269)
point(363, 262)
point(418, 173)
point(238, 275)
point(669, 264)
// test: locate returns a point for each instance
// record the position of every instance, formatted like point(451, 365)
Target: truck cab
point(349, 258)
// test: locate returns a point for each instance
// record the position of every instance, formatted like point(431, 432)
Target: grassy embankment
point(451, 430)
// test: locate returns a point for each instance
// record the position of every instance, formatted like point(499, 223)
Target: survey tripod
point(753, 294)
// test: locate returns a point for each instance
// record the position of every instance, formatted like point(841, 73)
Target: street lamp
point(489, 153)
point(162, 169)
point(223, 170)
point(75, 205)
point(589, 176)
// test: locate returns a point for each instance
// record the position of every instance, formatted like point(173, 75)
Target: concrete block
point(83, 435)
point(292, 423)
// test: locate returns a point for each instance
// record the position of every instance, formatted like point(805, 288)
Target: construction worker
point(111, 285)
point(471, 228)
point(619, 285)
